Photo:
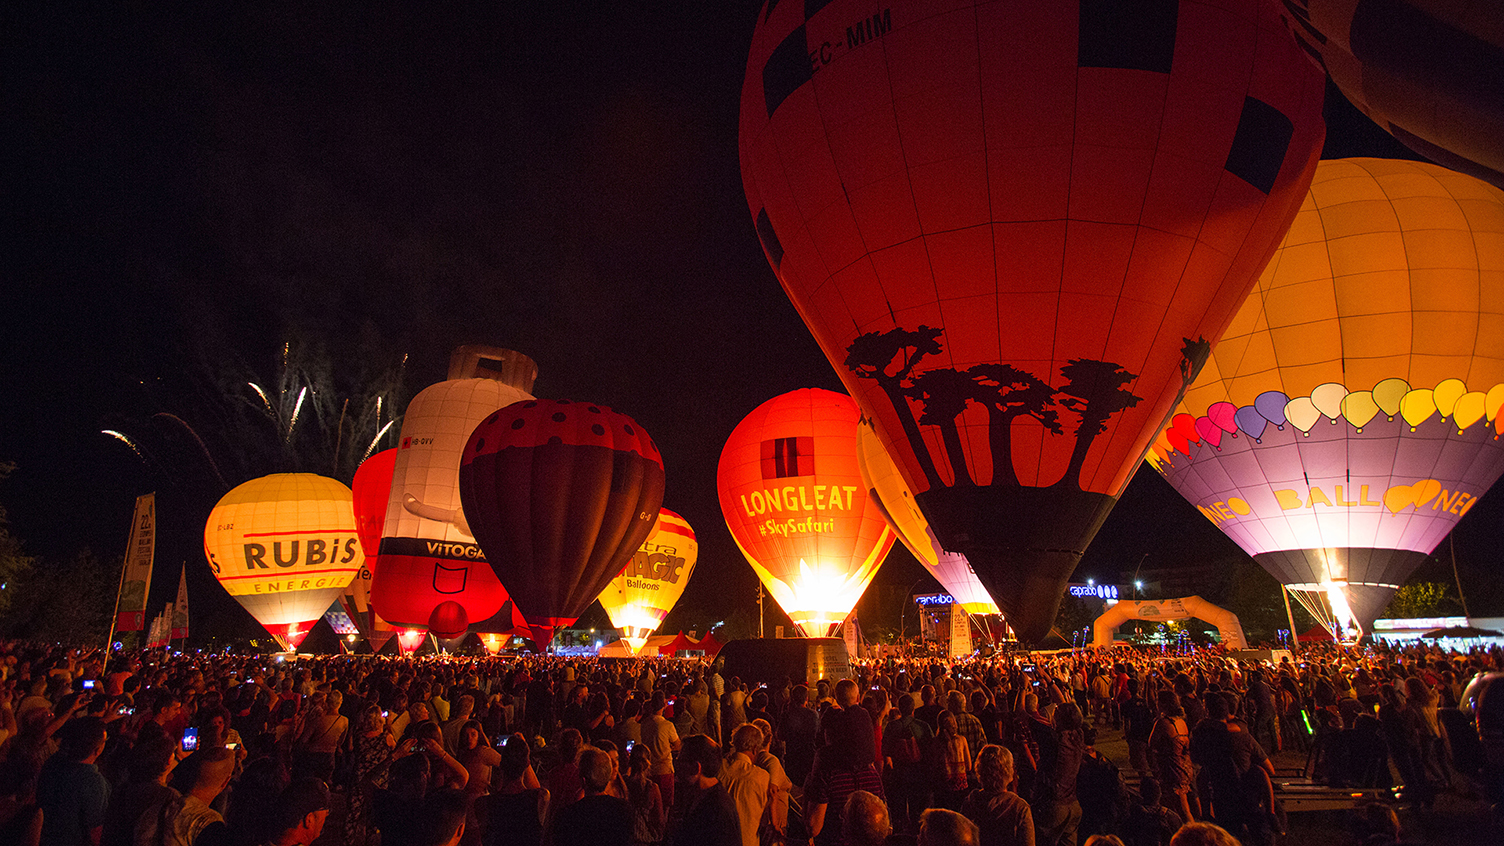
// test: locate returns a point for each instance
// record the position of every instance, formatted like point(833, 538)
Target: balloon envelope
point(1012, 228)
point(560, 494)
point(370, 490)
point(1351, 414)
point(285, 547)
point(428, 555)
point(640, 596)
point(1427, 72)
point(797, 507)
point(886, 486)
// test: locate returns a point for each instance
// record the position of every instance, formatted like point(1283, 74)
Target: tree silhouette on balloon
point(1093, 391)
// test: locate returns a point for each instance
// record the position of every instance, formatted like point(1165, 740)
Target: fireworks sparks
point(125, 439)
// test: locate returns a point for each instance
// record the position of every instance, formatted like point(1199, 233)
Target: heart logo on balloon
point(1399, 497)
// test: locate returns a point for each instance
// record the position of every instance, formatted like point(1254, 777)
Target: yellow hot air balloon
point(887, 487)
point(1351, 413)
point(284, 546)
point(640, 597)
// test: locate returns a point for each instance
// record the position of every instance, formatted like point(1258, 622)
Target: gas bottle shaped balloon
point(1351, 414)
point(886, 486)
point(431, 572)
point(641, 595)
point(798, 509)
point(1014, 229)
point(285, 547)
point(1427, 73)
point(371, 489)
point(559, 495)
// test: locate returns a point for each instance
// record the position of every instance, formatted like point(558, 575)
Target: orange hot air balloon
point(1013, 227)
point(797, 506)
point(285, 547)
point(640, 597)
point(886, 486)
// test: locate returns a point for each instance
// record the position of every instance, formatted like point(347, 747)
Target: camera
point(89, 684)
point(190, 739)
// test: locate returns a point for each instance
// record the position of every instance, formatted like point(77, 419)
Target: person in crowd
point(1057, 813)
point(322, 735)
point(941, 827)
point(1149, 822)
point(1002, 816)
point(597, 818)
point(1170, 755)
point(148, 767)
point(798, 730)
point(1203, 834)
point(746, 782)
point(299, 814)
point(190, 819)
point(661, 740)
point(71, 792)
point(475, 754)
point(955, 763)
point(865, 821)
point(705, 813)
point(779, 784)
point(515, 813)
point(440, 819)
point(649, 815)
point(905, 742)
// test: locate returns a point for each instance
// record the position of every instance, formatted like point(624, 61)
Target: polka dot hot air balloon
point(1352, 413)
point(797, 507)
point(285, 547)
point(559, 494)
point(1014, 227)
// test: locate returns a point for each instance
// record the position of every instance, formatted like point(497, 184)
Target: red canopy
point(1314, 633)
point(678, 644)
point(709, 644)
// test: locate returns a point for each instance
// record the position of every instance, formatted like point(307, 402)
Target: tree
point(1423, 599)
point(15, 564)
point(871, 355)
point(1009, 393)
point(1094, 391)
point(68, 603)
point(945, 393)
point(1073, 616)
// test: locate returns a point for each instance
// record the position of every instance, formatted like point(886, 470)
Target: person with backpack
point(904, 743)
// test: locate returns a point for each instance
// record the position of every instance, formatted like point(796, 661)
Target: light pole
point(759, 609)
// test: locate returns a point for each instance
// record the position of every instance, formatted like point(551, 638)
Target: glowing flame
point(1336, 596)
point(821, 595)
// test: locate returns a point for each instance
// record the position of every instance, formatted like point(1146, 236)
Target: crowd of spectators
point(164, 749)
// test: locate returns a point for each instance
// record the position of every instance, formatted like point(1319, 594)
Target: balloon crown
point(541, 422)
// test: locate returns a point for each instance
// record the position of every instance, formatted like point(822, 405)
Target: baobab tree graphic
point(1093, 390)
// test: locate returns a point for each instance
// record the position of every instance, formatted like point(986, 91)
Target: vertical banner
point(131, 611)
point(852, 637)
point(180, 607)
point(960, 631)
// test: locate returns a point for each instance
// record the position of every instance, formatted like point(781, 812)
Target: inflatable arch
point(1228, 627)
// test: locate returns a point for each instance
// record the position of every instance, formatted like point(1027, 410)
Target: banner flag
point(131, 614)
point(180, 607)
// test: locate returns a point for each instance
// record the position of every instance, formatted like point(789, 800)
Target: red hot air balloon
point(371, 488)
point(1013, 227)
point(559, 494)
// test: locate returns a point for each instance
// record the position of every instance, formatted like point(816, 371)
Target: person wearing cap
point(300, 814)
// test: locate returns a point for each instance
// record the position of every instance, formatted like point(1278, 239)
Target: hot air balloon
point(641, 595)
point(559, 495)
point(285, 547)
point(431, 573)
point(1351, 414)
point(1427, 72)
point(797, 506)
point(371, 489)
point(886, 487)
point(1012, 228)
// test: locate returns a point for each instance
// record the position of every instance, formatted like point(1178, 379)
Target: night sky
point(188, 191)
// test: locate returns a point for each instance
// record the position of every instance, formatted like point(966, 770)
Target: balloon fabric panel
point(1012, 228)
point(561, 495)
